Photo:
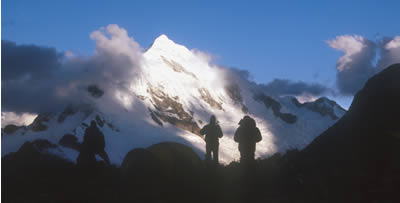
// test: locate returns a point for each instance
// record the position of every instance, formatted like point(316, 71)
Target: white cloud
point(393, 44)
point(390, 52)
point(118, 43)
point(8, 118)
point(69, 54)
point(351, 45)
point(356, 66)
point(58, 79)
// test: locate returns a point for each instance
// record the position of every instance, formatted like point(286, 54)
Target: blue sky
point(271, 39)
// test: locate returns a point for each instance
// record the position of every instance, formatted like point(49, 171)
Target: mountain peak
point(162, 38)
point(164, 46)
point(163, 41)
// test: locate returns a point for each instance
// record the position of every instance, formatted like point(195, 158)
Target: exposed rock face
point(164, 103)
point(233, 91)
point(206, 96)
point(10, 129)
point(186, 124)
point(323, 106)
point(155, 118)
point(170, 110)
point(70, 141)
point(271, 103)
point(67, 112)
point(177, 67)
point(99, 121)
point(39, 124)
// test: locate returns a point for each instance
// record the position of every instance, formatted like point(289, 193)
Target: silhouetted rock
point(39, 124)
point(143, 176)
point(70, 141)
point(183, 169)
point(356, 160)
point(32, 174)
point(69, 110)
point(10, 129)
point(177, 159)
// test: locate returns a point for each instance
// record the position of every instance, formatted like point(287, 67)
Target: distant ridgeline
point(172, 97)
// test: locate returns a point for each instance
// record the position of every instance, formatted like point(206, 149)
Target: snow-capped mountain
point(171, 98)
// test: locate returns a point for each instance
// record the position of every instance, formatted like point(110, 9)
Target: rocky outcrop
point(185, 124)
point(323, 106)
point(206, 96)
point(39, 124)
point(67, 112)
point(271, 103)
point(163, 103)
point(70, 141)
point(10, 129)
point(170, 110)
point(177, 67)
point(233, 92)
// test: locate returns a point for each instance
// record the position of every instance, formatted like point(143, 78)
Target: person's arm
point(237, 135)
point(220, 134)
point(258, 135)
point(203, 130)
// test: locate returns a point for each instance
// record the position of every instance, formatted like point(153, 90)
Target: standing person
point(213, 132)
point(247, 135)
point(93, 143)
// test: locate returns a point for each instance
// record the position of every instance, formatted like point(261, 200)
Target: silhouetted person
point(247, 135)
point(93, 143)
point(213, 132)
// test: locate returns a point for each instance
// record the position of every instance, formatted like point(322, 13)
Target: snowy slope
point(172, 97)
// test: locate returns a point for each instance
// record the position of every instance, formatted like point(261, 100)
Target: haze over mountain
point(166, 93)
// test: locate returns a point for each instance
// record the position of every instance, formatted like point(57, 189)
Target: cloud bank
point(357, 65)
point(295, 88)
point(39, 79)
point(16, 119)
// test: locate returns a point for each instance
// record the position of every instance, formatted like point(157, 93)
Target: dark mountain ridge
point(358, 158)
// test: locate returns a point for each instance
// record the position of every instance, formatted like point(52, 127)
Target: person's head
point(247, 121)
point(93, 124)
point(213, 120)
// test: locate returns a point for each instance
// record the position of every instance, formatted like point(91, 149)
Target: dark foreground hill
point(359, 157)
point(356, 160)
